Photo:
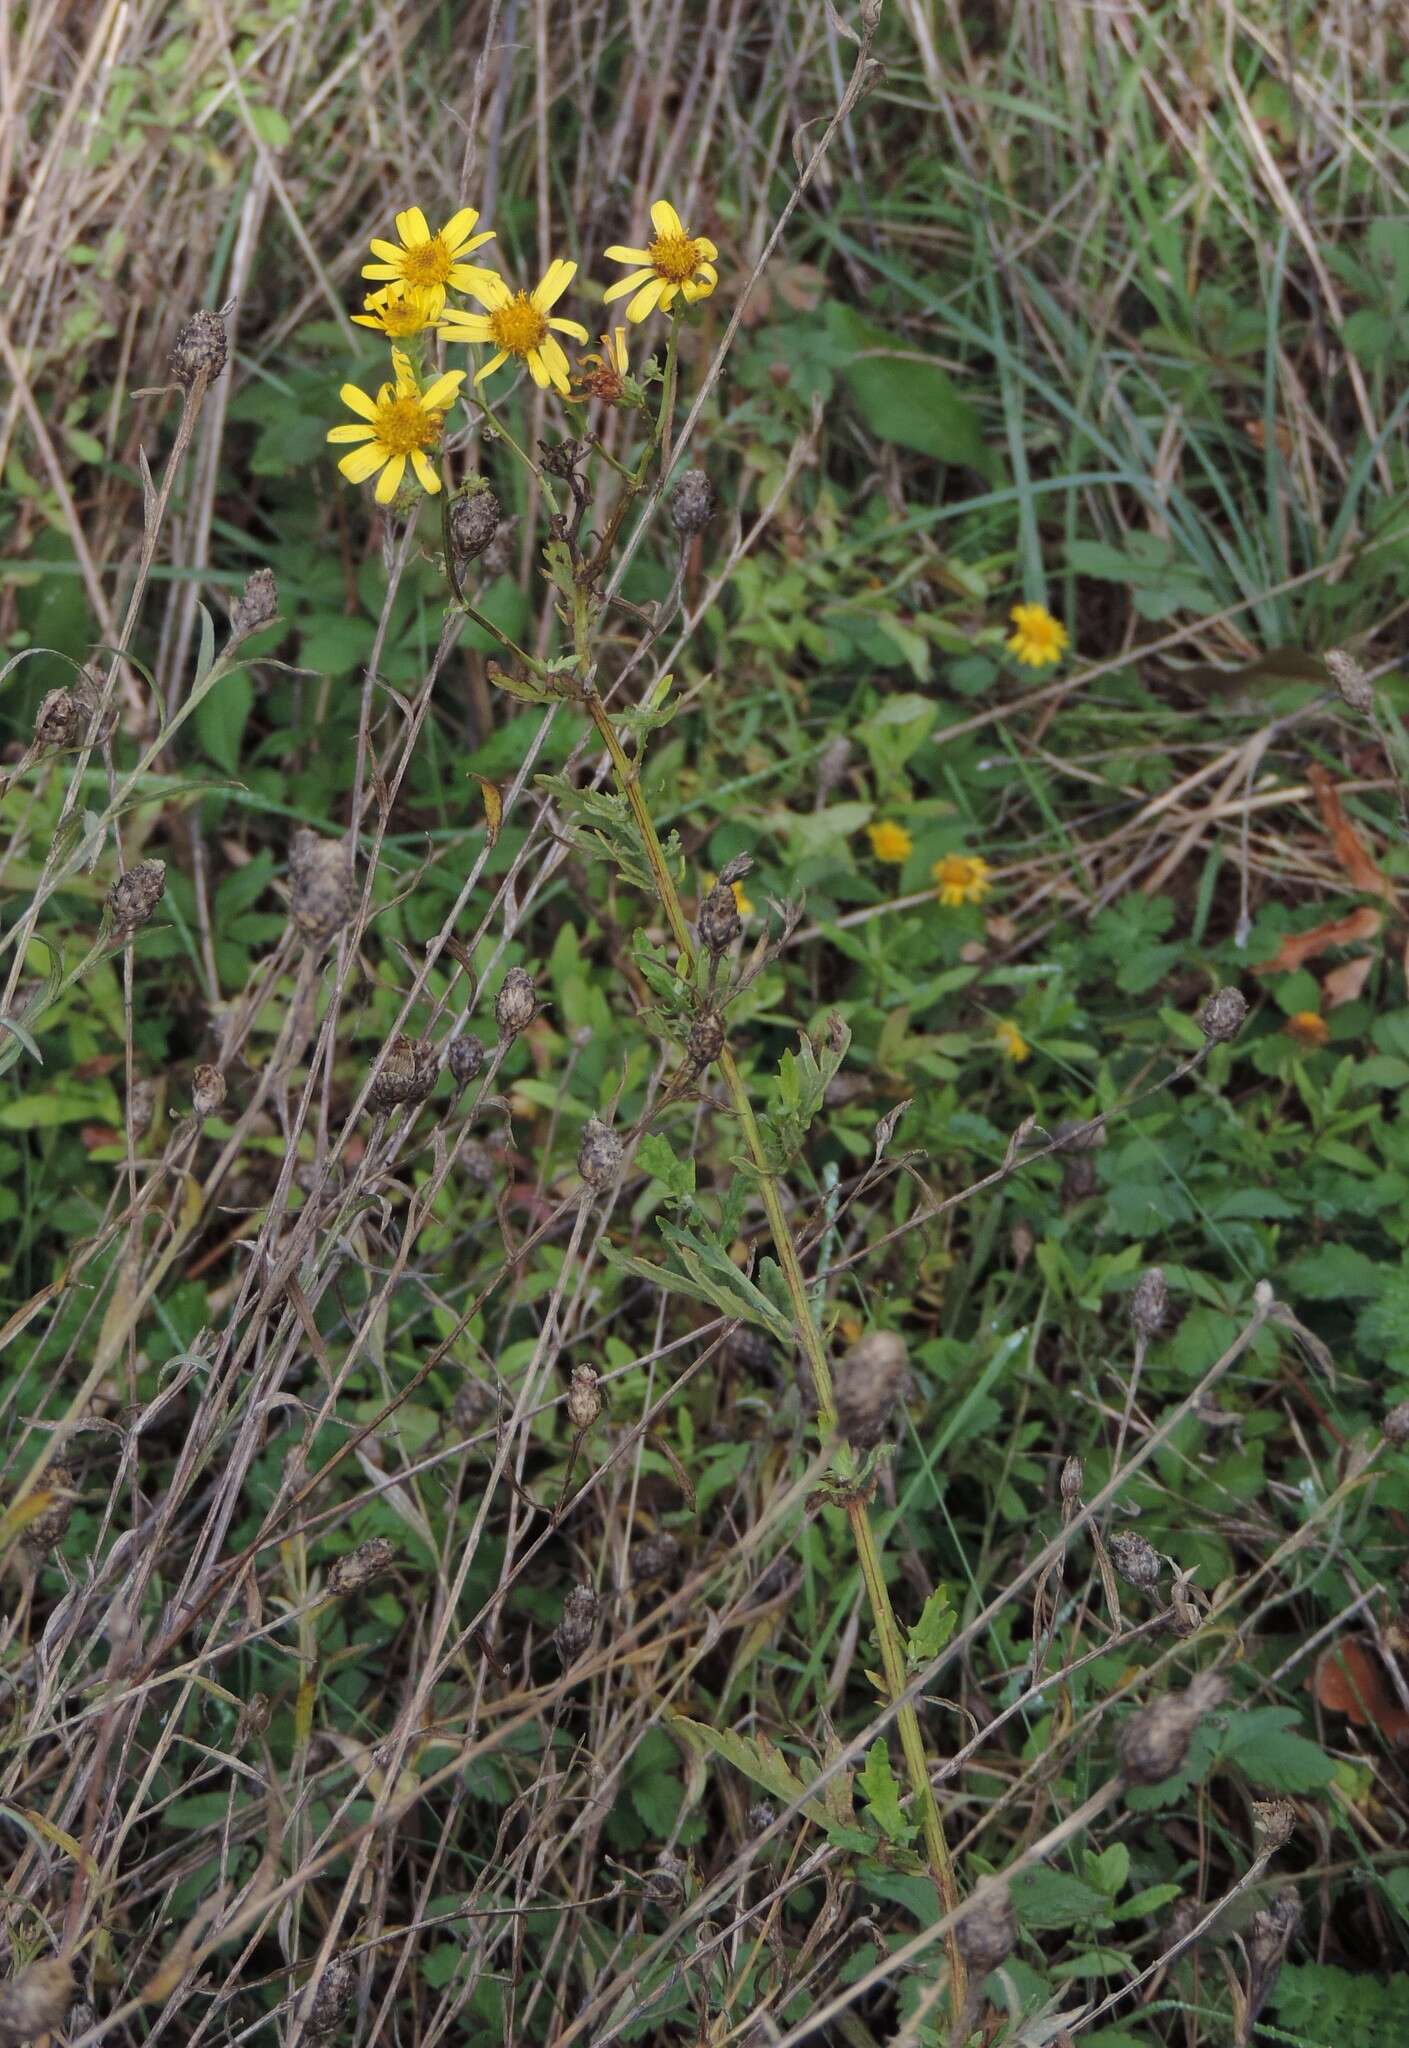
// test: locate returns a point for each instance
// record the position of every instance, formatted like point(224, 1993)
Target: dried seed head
point(1022, 1243)
point(1072, 1476)
point(1272, 1931)
point(666, 1882)
point(255, 606)
point(584, 1397)
point(1396, 1424)
point(254, 1718)
point(58, 721)
point(870, 1380)
point(832, 764)
point(515, 1003)
point(1223, 1015)
point(988, 1932)
point(655, 1557)
point(581, 1612)
point(1272, 1823)
point(466, 1057)
point(719, 922)
point(1080, 1180)
point(320, 883)
point(1149, 1304)
point(474, 521)
point(705, 1041)
point(134, 896)
point(1185, 1619)
point(46, 1532)
point(601, 1154)
point(1135, 1559)
point(369, 1561)
point(1350, 679)
point(141, 1106)
point(200, 349)
point(207, 1090)
point(760, 1817)
point(692, 504)
point(1079, 1134)
point(474, 1400)
point(1155, 1741)
point(752, 1350)
point(407, 1073)
point(35, 2001)
point(332, 2001)
point(478, 1163)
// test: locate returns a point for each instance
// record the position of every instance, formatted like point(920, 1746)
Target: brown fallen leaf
point(1299, 947)
point(1344, 983)
point(1350, 849)
point(1349, 1679)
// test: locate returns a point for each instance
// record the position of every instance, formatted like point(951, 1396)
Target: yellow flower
point(961, 878)
point(891, 843)
point(1037, 637)
point(517, 324)
point(398, 310)
point(430, 262)
point(400, 422)
point(1309, 1028)
point(604, 376)
point(674, 262)
point(1010, 1041)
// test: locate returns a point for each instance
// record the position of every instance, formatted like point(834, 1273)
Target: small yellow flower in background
point(604, 376)
point(1037, 637)
point(1309, 1028)
point(674, 262)
point(517, 323)
point(1010, 1041)
point(398, 310)
point(890, 843)
point(431, 262)
point(741, 902)
point(400, 423)
point(961, 878)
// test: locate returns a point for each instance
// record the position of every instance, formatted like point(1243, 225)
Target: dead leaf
point(1344, 983)
point(1350, 849)
point(1349, 1679)
point(1299, 947)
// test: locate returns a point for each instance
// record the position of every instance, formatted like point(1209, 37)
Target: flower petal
point(573, 327)
point(458, 229)
point(557, 362)
point(652, 294)
point(624, 285)
point(358, 402)
point(425, 474)
point(412, 228)
point(615, 345)
point(556, 279)
point(389, 253)
point(443, 393)
point(405, 375)
point(367, 320)
point(363, 462)
point(485, 285)
point(665, 220)
point(458, 326)
point(352, 431)
point(385, 271)
point(619, 253)
point(491, 366)
point(537, 368)
point(389, 482)
point(704, 247)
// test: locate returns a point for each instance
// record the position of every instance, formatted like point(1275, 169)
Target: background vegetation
point(1102, 308)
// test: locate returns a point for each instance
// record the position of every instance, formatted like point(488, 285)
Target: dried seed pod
point(751, 1350)
point(515, 1003)
point(1184, 1617)
point(692, 504)
point(1135, 1559)
point(719, 922)
point(255, 606)
point(332, 2001)
point(1072, 1475)
point(46, 1532)
point(705, 1041)
point(1022, 1243)
point(207, 1090)
point(1149, 1304)
point(654, 1557)
point(1273, 1821)
point(134, 896)
point(466, 1057)
point(200, 349)
point(1223, 1015)
point(584, 1397)
point(1396, 1424)
point(581, 1612)
point(601, 1154)
point(666, 1882)
point(474, 521)
point(58, 721)
point(988, 1932)
point(141, 1107)
point(760, 1817)
point(320, 884)
point(1350, 679)
point(35, 2001)
point(832, 764)
point(1155, 1741)
point(370, 1560)
point(254, 1718)
point(1272, 1931)
point(407, 1073)
point(871, 1379)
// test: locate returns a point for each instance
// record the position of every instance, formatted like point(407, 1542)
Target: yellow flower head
point(398, 310)
point(401, 422)
point(1037, 637)
point(1010, 1041)
point(890, 843)
point(961, 878)
point(674, 262)
point(604, 376)
point(430, 262)
point(517, 324)
point(1309, 1028)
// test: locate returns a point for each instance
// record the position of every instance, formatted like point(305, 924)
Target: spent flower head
point(1309, 1028)
point(395, 427)
point(519, 324)
point(429, 262)
point(603, 375)
point(674, 264)
point(1037, 638)
point(961, 878)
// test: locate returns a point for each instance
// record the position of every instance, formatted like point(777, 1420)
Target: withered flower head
point(370, 1560)
point(871, 1379)
point(407, 1073)
point(584, 1397)
point(200, 349)
point(1155, 1741)
point(207, 1090)
point(332, 2001)
point(574, 1633)
point(692, 504)
point(1223, 1015)
point(35, 2001)
point(601, 1154)
point(474, 521)
point(134, 896)
point(1135, 1559)
point(320, 880)
point(1149, 1304)
point(255, 606)
point(515, 1003)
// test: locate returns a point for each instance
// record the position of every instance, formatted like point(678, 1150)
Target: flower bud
point(872, 1378)
point(200, 349)
point(466, 1057)
point(255, 606)
point(600, 1155)
point(58, 721)
point(369, 1561)
point(320, 883)
point(35, 2001)
point(719, 922)
point(134, 896)
point(584, 1397)
point(515, 1003)
point(207, 1090)
point(1149, 1304)
point(474, 521)
point(1155, 1741)
point(1350, 679)
point(574, 1633)
point(692, 504)
point(1223, 1015)
point(1136, 1559)
point(332, 2001)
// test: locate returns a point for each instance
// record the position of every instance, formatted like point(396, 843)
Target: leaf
point(932, 1631)
point(1349, 848)
point(1299, 947)
point(1349, 1679)
point(1049, 1898)
point(877, 1783)
point(493, 807)
point(1266, 1746)
point(519, 686)
point(659, 1158)
point(206, 657)
point(757, 1758)
point(904, 398)
point(221, 715)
